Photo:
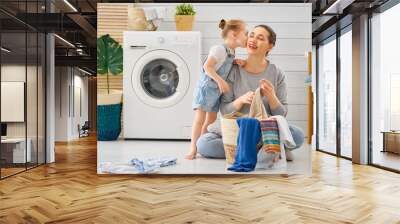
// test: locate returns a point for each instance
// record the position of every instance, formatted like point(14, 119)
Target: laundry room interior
point(143, 116)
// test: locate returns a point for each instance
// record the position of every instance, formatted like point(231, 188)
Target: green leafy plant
point(109, 57)
point(185, 9)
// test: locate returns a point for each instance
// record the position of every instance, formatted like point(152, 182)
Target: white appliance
point(160, 73)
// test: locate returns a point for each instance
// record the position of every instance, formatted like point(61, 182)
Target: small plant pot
point(109, 108)
point(184, 22)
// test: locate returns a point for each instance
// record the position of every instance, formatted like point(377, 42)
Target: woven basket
point(230, 128)
point(108, 122)
point(136, 19)
point(230, 153)
point(230, 131)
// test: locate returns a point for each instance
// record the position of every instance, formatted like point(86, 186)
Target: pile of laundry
point(154, 16)
point(137, 166)
point(270, 136)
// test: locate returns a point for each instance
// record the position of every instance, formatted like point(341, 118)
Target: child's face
point(241, 37)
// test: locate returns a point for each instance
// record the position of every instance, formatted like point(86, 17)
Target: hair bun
point(222, 24)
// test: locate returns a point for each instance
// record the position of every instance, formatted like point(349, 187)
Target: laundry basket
point(230, 128)
point(108, 122)
point(137, 19)
point(230, 131)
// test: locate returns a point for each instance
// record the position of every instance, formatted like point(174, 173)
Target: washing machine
point(160, 73)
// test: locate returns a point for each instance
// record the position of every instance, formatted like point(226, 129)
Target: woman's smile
point(252, 45)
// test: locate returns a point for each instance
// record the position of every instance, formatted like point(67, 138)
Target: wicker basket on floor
point(230, 128)
point(230, 131)
point(230, 153)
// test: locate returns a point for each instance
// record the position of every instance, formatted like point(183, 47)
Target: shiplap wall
point(291, 22)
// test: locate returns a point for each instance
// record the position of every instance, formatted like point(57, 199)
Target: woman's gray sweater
point(240, 82)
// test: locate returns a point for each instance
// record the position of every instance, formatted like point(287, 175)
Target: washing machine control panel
point(183, 40)
point(161, 40)
point(175, 40)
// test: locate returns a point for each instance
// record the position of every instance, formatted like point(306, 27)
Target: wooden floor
point(70, 191)
point(5, 172)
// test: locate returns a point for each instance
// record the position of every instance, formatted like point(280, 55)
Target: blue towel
point(152, 164)
point(246, 151)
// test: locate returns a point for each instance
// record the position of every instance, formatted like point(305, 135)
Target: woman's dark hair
point(233, 24)
point(272, 34)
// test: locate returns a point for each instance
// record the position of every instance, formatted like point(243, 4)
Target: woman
point(257, 72)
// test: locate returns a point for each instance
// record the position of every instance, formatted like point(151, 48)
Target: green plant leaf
point(109, 56)
point(185, 9)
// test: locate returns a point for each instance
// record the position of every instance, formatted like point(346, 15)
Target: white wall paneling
point(211, 30)
point(290, 47)
point(292, 24)
point(249, 12)
point(285, 63)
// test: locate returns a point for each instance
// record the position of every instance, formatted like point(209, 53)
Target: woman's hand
point(267, 89)
point(247, 98)
point(223, 86)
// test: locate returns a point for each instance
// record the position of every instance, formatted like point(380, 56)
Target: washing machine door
point(160, 78)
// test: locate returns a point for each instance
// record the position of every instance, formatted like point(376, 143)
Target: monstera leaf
point(109, 56)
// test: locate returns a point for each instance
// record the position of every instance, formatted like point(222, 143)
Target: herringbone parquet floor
point(70, 191)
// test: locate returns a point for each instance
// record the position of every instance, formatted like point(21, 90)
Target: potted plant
point(184, 17)
point(109, 102)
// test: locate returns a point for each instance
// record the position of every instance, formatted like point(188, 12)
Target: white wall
point(33, 126)
point(79, 117)
point(291, 22)
point(69, 82)
point(61, 103)
point(314, 90)
point(17, 73)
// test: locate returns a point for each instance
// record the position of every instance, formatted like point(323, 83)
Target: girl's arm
point(209, 68)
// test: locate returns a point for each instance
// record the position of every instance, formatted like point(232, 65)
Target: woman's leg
point(298, 136)
point(210, 118)
point(210, 145)
point(198, 122)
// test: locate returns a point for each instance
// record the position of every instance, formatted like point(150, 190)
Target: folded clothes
point(150, 165)
point(270, 135)
point(271, 157)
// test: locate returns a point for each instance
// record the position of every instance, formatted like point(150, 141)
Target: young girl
point(212, 80)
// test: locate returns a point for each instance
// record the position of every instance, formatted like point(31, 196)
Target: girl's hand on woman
point(247, 98)
point(239, 62)
point(267, 89)
point(223, 86)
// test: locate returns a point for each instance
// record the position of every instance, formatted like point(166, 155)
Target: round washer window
point(160, 78)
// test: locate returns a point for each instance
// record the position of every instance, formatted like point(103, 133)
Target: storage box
point(392, 142)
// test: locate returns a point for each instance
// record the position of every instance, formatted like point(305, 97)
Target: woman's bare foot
point(191, 156)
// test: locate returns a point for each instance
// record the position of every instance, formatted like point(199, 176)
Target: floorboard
point(70, 191)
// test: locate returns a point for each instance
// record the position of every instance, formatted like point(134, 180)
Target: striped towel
point(270, 135)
